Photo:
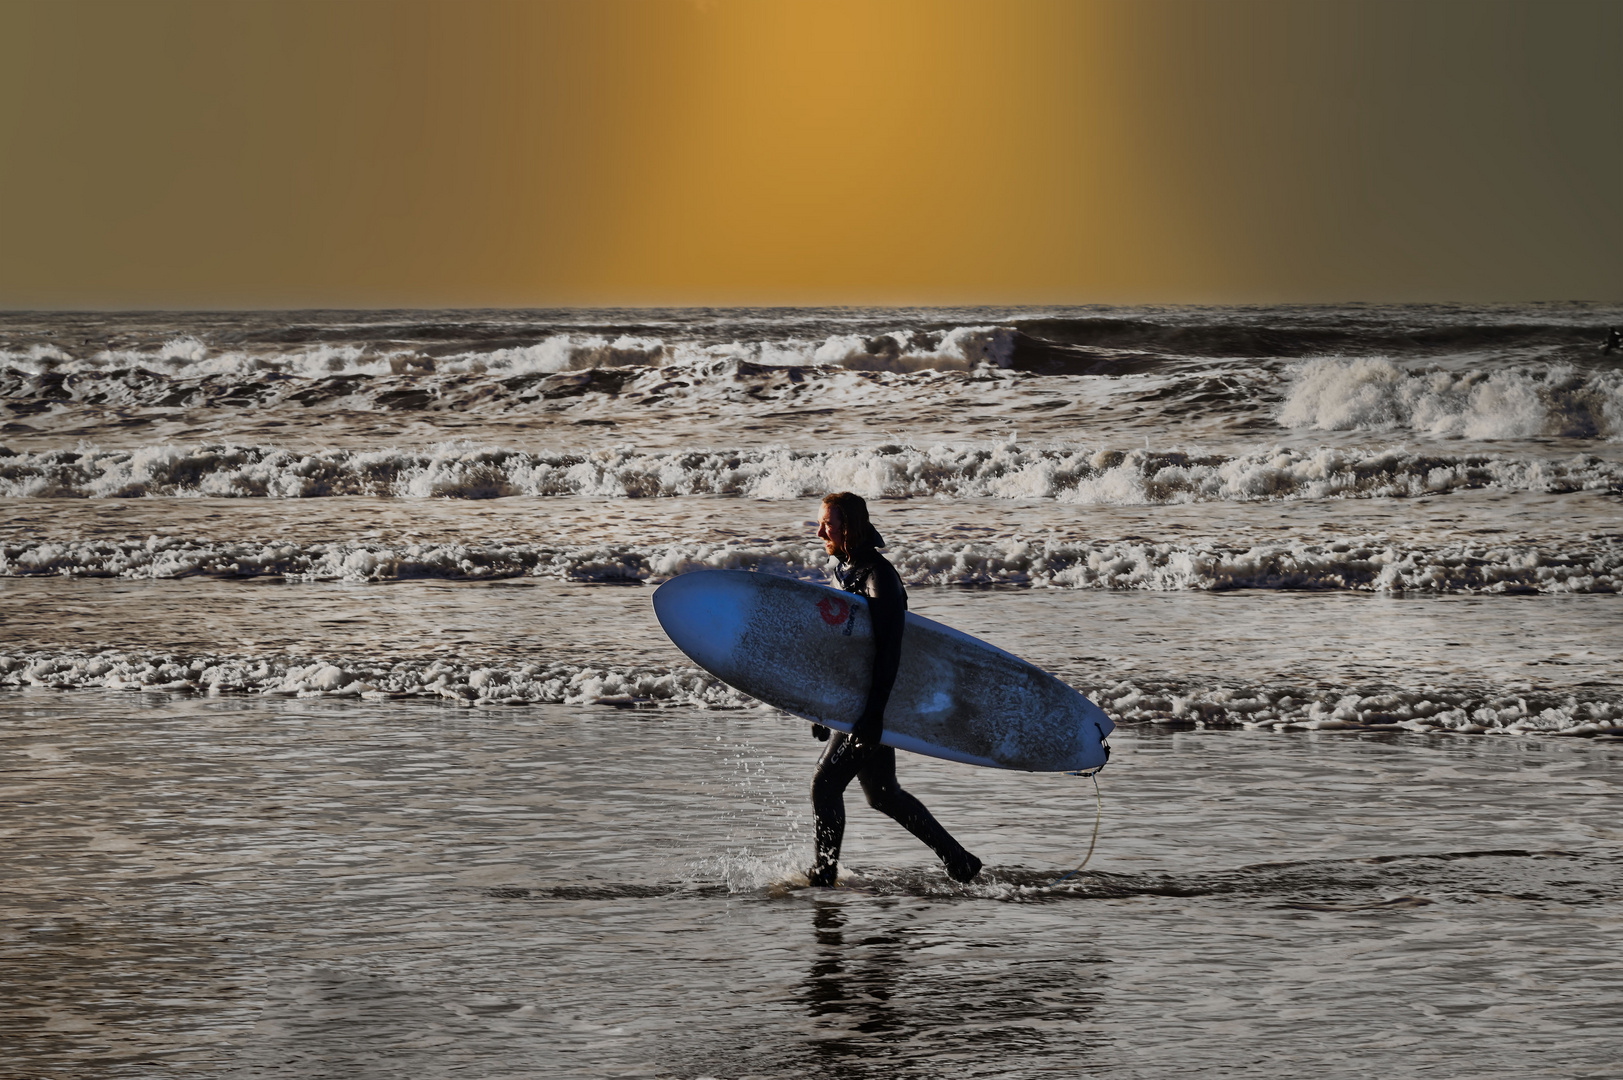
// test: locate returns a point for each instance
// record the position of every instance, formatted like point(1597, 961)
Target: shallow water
point(240, 888)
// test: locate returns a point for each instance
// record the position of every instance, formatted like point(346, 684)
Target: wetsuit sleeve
point(887, 610)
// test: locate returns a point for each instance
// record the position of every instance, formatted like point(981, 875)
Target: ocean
point(340, 739)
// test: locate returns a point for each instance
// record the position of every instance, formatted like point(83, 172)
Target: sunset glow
point(743, 151)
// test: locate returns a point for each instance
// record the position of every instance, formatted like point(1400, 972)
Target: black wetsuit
point(860, 755)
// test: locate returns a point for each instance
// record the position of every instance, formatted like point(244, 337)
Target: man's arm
point(887, 612)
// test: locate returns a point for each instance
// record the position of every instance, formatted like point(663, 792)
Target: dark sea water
point(339, 738)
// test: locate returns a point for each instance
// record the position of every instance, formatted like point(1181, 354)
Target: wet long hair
point(859, 531)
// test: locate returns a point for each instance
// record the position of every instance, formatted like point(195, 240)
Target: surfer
point(851, 538)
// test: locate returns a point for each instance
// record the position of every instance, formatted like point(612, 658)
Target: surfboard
point(808, 650)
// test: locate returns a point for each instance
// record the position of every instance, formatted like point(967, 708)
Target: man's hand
point(820, 733)
point(868, 730)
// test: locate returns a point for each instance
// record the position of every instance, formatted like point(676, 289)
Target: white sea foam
point(1069, 474)
point(458, 683)
point(1433, 709)
point(1364, 565)
point(1461, 710)
point(1372, 393)
point(956, 349)
point(782, 399)
point(562, 352)
point(961, 348)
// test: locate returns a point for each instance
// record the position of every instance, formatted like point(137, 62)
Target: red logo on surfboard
point(834, 610)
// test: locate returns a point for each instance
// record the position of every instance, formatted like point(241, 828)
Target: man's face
point(831, 530)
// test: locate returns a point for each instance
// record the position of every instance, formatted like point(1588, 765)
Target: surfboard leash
point(1098, 815)
point(1098, 806)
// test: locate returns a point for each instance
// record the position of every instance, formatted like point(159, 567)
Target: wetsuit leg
point(877, 772)
point(841, 760)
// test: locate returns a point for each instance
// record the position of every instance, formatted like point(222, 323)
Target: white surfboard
point(808, 650)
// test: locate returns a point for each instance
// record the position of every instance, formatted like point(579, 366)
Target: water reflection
point(936, 985)
point(850, 984)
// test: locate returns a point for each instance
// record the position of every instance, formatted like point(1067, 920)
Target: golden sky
point(219, 153)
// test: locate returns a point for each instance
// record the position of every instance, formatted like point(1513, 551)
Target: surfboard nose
point(705, 614)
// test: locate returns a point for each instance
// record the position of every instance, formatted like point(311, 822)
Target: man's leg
point(885, 794)
point(841, 759)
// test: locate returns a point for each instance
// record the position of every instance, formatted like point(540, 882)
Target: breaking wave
point(187, 356)
point(710, 385)
point(330, 342)
point(1371, 393)
point(1070, 474)
point(1358, 565)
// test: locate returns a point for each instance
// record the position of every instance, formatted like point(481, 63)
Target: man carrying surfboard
point(849, 536)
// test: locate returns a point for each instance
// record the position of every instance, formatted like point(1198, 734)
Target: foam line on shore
point(458, 682)
point(1355, 564)
point(1453, 710)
